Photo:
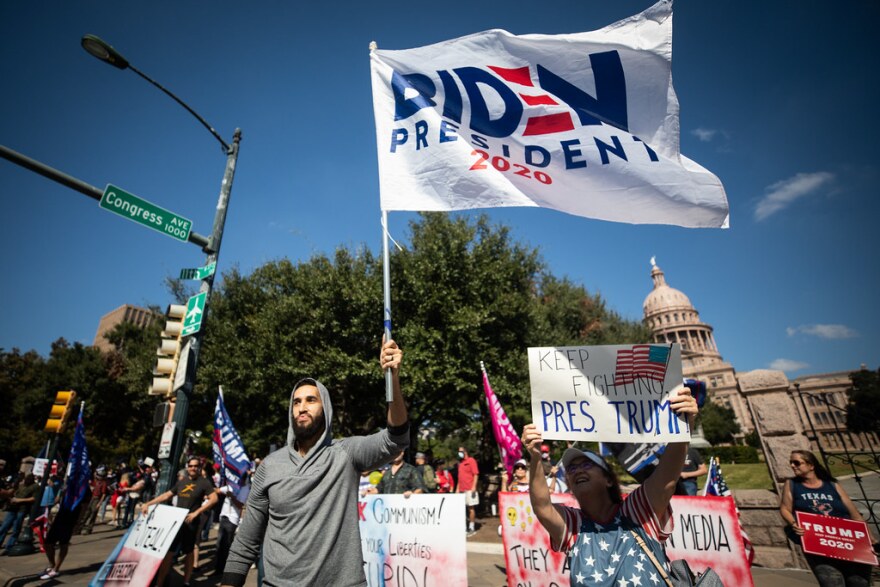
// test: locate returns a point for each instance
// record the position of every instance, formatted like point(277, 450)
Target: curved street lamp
point(102, 50)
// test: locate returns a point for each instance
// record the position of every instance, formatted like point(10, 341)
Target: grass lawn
point(749, 476)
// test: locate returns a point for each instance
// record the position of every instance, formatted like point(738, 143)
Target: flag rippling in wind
point(80, 470)
point(509, 444)
point(228, 448)
point(715, 485)
point(584, 123)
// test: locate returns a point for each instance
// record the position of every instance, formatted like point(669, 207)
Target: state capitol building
point(821, 399)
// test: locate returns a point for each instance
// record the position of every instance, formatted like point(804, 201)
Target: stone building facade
point(673, 319)
point(806, 412)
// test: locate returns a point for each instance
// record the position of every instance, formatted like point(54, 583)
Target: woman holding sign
point(604, 536)
point(813, 490)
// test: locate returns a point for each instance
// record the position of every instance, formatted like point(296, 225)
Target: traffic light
point(60, 411)
point(168, 353)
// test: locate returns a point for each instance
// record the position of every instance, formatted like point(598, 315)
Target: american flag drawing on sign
point(646, 361)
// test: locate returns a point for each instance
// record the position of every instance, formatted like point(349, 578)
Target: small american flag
point(715, 485)
point(641, 361)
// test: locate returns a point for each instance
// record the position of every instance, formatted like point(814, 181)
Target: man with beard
point(196, 494)
point(302, 509)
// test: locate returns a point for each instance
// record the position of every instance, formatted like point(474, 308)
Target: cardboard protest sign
point(139, 553)
point(707, 534)
point(527, 553)
point(413, 541)
point(836, 537)
point(615, 393)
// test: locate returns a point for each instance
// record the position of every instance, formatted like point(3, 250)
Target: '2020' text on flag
point(584, 123)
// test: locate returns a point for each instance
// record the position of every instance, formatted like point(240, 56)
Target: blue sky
point(777, 99)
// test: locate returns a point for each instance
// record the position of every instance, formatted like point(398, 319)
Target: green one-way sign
point(195, 309)
point(121, 202)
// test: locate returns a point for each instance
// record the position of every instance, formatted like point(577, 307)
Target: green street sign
point(128, 205)
point(199, 272)
point(195, 309)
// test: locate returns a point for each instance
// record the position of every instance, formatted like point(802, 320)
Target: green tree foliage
point(25, 405)
point(863, 411)
point(719, 422)
point(462, 292)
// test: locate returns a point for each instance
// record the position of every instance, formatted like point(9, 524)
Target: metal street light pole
point(106, 53)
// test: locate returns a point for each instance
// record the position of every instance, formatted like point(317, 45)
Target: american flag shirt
point(605, 554)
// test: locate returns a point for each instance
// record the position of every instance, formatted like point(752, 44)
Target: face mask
point(461, 455)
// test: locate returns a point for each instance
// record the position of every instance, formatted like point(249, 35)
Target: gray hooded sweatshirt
point(303, 510)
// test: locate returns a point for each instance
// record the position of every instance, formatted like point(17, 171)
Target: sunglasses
point(519, 467)
point(796, 463)
point(584, 465)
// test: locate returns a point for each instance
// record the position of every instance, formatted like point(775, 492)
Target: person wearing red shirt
point(467, 484)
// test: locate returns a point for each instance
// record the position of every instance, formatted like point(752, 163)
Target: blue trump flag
point(80, 470)
point(229, 450)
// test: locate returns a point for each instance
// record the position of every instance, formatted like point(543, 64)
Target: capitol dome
point(664, 298)
point(673, 319)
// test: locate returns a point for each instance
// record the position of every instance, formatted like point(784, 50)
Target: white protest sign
point(140, 552)
point(707, 534)
point(418, 540)
point(39, 467)
point(615, 393)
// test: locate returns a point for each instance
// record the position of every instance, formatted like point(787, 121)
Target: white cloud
point(783, 193)
point(704, 134)
point(829, 331)
point(788, 365)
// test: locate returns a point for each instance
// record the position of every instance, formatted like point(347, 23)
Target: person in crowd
point(606, 532)
point(445, 482)
point(230, 517)
point(401, 478)
point(365, 484)
point(17, 508)
point(63, 526)
point(520, 481)
point(119, 497)
point(468, 475)
point(546, 462)
point(302, 508)
point(694, 467)
point(212, 516)
point(141, 482)
point(100, 490)
point(190, 493)
point(429, 479)
point(814, 490)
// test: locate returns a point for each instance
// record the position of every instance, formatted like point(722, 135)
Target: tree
point(719, 422)
point(25, 407)
point(863, 411)
point(462, 292)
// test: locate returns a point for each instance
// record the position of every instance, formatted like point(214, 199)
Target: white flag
point(584, 123)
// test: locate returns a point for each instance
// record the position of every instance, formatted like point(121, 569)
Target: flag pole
point(386, 287)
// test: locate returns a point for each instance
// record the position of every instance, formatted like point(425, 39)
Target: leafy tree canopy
point(719, 422)
point(863, 411)
point(463, 291)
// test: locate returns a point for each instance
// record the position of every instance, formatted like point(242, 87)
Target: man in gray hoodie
point(303, 505)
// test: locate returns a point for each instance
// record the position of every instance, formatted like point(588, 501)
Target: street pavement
point(485, 561)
